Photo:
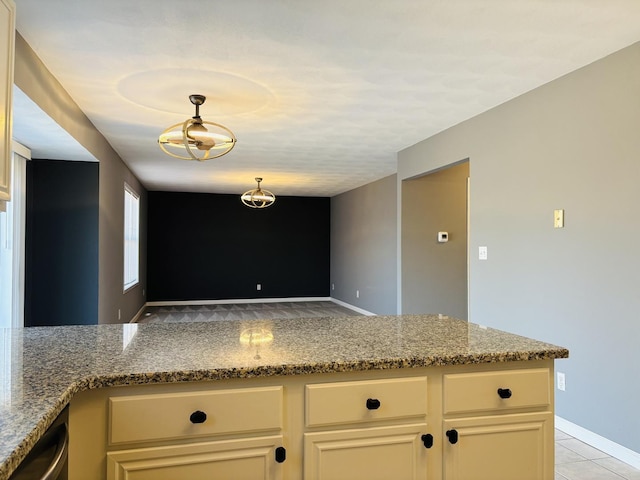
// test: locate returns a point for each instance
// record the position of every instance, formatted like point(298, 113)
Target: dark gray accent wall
point(61, 265)
point(364, 246)
point(434, 274)
point(571, 144)
point(210, 246)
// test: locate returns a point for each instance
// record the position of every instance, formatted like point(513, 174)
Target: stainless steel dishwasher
point(48, 458)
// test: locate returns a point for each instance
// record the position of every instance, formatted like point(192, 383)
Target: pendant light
point(191, 140)
point(258, 198)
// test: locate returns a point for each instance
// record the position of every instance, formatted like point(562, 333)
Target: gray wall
point(33, 78)
point(363, 246)
point(573, 144)
point(434, 275)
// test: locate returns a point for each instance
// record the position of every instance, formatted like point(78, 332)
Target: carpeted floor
point(243, 311)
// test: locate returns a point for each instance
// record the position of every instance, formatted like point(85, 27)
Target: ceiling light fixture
point(258, 198)
point(199, 142)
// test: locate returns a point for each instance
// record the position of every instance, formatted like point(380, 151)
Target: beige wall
point(33, 78)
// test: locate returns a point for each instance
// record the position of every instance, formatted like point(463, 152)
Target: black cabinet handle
point(373, 403)
point(198, 417)
point(504, 392)
point(427, 439)
point(281, 454)
point(452, 435)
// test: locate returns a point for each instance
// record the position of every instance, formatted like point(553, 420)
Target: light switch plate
point(558, 218)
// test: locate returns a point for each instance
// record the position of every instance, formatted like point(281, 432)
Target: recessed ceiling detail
point(227, 94)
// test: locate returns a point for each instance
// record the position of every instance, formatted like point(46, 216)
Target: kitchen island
point(44, 369)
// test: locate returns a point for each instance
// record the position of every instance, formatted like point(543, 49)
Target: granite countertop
point(41, 368)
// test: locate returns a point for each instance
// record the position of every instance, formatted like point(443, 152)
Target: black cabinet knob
point(281, 454)
point(427, 439)
point(504, 392)
point(198, 417)
point(452, 435)
point(373, 403)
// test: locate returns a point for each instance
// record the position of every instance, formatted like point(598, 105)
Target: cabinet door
point(373, 453)
point(252, 459)
point(504, 447)
point(7, 35)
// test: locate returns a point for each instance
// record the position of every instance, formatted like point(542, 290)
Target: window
point(131, 237)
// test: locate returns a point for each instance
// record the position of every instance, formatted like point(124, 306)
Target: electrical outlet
point(561, 382)
point(482, 253)
point(357, 293)
point(333, 286)
point(259, 286)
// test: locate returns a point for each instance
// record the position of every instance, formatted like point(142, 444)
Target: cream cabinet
point(466, 422)
point(337, 450)
point(140, 433)
point(498, 425)
point(377, 453)
point(500, 447)
point(243, 459)
point(159, 417)
point(7, 41)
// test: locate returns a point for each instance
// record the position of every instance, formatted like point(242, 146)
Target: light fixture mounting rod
point(197, 100)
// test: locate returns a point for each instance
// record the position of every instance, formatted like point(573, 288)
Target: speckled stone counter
point(42, 368)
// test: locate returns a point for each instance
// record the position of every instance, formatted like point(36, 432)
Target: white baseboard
point(137, 315)
point(603, 444)
point(237, 300)
point(352, 307)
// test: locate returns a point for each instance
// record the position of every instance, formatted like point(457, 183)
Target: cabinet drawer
point(142, 418)
point(347, 402)
point(469, 392)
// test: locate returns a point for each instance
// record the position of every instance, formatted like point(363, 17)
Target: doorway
point(435, 271)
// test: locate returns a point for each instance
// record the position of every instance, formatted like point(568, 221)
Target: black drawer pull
point(281, 454)
point(198, 417)
point(427, 439)
point(504, 392)
point(373, 403)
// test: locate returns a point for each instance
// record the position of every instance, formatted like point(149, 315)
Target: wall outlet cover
point(561, 382)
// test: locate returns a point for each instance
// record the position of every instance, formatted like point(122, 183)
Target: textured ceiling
point(320, 94)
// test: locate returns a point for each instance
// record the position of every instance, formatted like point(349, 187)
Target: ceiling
point(320, 94)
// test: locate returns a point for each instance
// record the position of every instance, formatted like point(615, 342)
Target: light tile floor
point(575, 460)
